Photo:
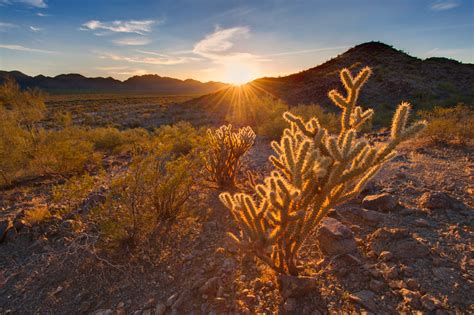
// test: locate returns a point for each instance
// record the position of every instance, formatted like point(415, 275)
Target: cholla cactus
point(313, 172)
point(226, 149)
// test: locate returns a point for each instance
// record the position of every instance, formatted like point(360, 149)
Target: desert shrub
point(72, 192)
point(113, 140)
point(452, 125)
point(180, 138)
point(154, 191)
point(226, 148)
point(313, 171)
point(61, 152)
point(36, 215)
point(20, 112)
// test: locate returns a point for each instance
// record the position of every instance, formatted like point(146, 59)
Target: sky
point(220, 40)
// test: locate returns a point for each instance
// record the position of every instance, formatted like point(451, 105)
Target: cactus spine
point(226, 149)
point(313, 172)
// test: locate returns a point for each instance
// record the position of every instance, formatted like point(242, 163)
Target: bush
point(313, 171)
point(226, 148)
point(155, 190)
point(449, 125)
point(180, 138)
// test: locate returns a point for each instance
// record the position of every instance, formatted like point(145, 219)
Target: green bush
point(452, 125)
point(154, 191)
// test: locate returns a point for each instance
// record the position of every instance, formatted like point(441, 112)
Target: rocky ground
point(405, 245)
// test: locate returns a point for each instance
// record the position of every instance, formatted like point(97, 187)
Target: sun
point(238, 73)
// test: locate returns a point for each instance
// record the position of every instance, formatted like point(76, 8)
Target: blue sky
point(220, 40)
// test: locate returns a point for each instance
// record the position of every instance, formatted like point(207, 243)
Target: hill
point(76, 83)
point(397, 77)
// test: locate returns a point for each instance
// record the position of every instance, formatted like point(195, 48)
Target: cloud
point(36, 29)
point(444, 5)
point(31, 3)
point(159, 60)
point(42, 14)
point(305, 51)
point(4, 26)
point(132, 41)
point(132, 26)
point(216, 45)
point(23, 48)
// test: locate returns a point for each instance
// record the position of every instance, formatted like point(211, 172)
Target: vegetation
point(226, 148)
point(154, 190)
point(313, 172)
point(449, 125)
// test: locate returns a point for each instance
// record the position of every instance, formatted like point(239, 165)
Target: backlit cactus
point(226, 149)
point(313, 172)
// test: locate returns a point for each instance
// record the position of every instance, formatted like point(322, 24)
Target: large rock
point(399, 242)
point(381, 202)
point(335, 238)
point(364, 298)
point(440, 200)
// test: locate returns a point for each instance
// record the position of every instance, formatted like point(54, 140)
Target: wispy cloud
point(305, 51)
point(158, 60)
point(216, 45)
point(23, 48)
point(444, 5)
point(132, 41)
point(122, 70)
point(132, 26)
point(42, 14)
point(31, 3)
point(5, 26)
point(437, 52)
point(36, 29)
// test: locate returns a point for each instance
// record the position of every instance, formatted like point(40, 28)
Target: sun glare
point(239, 73)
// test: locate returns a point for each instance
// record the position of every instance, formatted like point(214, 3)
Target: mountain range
point(149, 83)
point(396, 77)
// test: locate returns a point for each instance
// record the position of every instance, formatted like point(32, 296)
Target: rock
point(381, 202)
point(290, 305)
point(430, 303)
point(103, 312)
point(171, 299)
point(211, 286)
point(4, 227)
point(372, 216)
point(412, 283)
point(291, 286)
point(147, 312)
point(391, 273)
point(150, 303)
point(440, 200)
point(400, 243)
point(160, 309)
point(385, 256)
point(364, 298)
point(376, 285)
point(180, 300)
point(411, 298)
point(335, 238)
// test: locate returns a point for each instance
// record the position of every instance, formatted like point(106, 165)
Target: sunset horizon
point(233, 42)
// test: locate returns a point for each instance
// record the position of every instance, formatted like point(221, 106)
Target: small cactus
point(313, 172)
point(226, 149)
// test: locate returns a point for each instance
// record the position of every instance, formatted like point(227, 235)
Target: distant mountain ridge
point(396, 77)
point(149, 83)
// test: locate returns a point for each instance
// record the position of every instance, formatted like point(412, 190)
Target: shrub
point(180, 138)
point(61, 153)
point(155, 190)
point(313, 172)
point(449, 125)
point(73, 192)
point(226, 148)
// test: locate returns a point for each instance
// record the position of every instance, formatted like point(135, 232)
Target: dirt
point(415, 257)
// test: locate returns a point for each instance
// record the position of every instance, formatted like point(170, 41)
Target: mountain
point(76, 83)
point(396, 77)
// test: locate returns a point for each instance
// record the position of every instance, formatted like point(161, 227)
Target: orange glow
point(239, 73)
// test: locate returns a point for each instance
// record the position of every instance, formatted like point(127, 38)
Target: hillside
point(397, 77)
point(150, 83)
